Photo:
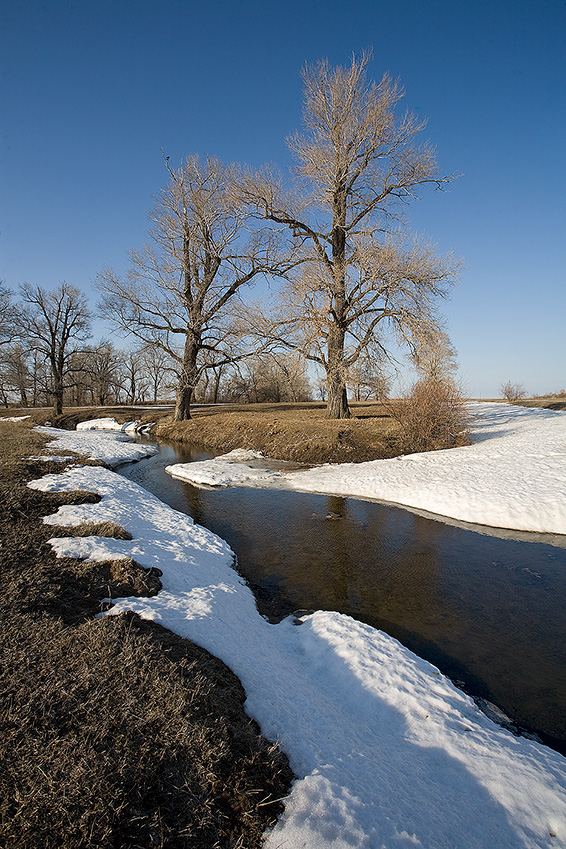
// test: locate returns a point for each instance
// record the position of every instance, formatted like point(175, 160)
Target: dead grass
point(297, 432)
point(113, 732)
point(432, 416)
point(550, 403)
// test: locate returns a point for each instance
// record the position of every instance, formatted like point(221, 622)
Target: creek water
point(489, 612)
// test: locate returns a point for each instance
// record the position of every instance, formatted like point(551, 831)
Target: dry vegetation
point(298, 432)
point(301, 432)
point(114, 732)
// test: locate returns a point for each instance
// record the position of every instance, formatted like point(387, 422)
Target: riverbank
point(388, 752)
point(114, 731)
point(511, 476)
point(297, 432)
point(300, 433)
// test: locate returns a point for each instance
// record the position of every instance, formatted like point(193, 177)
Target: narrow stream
point(489, 612)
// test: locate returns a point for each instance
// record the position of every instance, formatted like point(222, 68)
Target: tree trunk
point(58, 400)
point(337, 403)
point(187, 380)
point(183, 403)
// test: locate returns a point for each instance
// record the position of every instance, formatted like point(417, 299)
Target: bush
point(433, 416)
point(513, 391)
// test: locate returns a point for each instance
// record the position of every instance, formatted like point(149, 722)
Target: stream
point(488, 612)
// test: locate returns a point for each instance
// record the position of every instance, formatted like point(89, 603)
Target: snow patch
point(108, 424)
point(113, 448)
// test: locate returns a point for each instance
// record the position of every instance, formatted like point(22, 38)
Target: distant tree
point(513, 391)
point(269, 378)
point(132, 374)
point(203, 252)
point(434, 355)
point(367, 378)
point(361, 276)
point(16, 373)
point(54, 323)
point(8, 316)
point(99, 372)
point(159, 369)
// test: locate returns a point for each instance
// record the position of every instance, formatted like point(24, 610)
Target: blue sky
point(91, 92)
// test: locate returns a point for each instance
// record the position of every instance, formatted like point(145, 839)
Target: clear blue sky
point(92, 91)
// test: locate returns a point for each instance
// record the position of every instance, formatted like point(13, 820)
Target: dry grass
point(297, 432)
point(114, 732)
point(432, 416)
point(553, 402)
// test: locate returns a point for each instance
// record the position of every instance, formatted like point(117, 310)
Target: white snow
point(388, 753)
point(111, 447)
point(14, 418)
point(108, 424)
point(512, 476)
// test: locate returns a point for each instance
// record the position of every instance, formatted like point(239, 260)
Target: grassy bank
point(114, 732)
point(297, 432)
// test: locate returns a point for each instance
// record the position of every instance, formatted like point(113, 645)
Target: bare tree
point(513, 391)
point(367, 378)
point(97, 372)
point(53, 322)
point(434, 355)
point(16, 373)
point(360, 274)
point(132, 374)
point(270, 378)
point(181, 286)
point(8, 316)
point(159, 369)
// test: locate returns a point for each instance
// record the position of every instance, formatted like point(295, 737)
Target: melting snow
point(388, 753)
point(512, 476)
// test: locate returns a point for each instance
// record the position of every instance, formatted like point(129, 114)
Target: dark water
point(489, 612)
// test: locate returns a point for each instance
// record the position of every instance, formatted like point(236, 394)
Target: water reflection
point(487, 611)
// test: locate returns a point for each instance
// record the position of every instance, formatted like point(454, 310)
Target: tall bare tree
point(15, 372)
point(203, 250)
point(53, 323)
point(8, 317)
point(357, 165)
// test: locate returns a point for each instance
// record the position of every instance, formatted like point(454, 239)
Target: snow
point(14, 418)
point(111, 447)
point(108, 424)
point(512, 476)
point(387, 751)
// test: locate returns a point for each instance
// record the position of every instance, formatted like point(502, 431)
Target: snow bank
point(108, 424)
point(512, 476)
point(112, 448)
point(388, 753)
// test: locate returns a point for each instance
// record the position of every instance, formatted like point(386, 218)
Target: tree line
point(353, 283)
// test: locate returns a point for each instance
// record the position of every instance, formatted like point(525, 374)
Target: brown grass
point(113, 732)
point(297, 432)
point(432, 416)
point(551, 403)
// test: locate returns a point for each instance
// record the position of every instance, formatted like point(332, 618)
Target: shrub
point(513, 391)
point(433, 416)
